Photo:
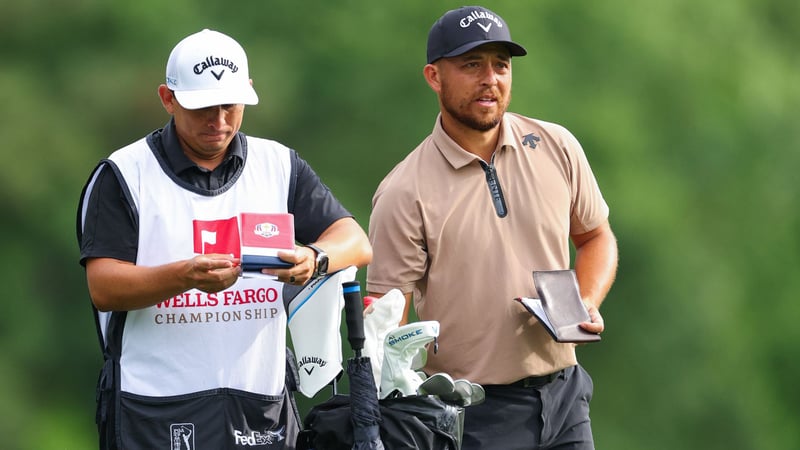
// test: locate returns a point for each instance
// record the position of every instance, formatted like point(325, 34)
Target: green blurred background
point(688, 111)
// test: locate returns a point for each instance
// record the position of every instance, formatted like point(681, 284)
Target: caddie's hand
point(214, 272)
point(303, 261)
point(596, 325)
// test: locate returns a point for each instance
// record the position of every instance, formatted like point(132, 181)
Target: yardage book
point(263, 235)
point(559, 307)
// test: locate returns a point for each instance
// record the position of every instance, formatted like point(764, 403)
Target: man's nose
point(489, 76)
point(216, 115)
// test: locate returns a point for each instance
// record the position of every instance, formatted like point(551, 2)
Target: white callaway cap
point(208, 69)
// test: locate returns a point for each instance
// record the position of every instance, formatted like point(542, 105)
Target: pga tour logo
point(181, 436)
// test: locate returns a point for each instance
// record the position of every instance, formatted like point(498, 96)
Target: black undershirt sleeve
point(314, 206)
point(110, 229)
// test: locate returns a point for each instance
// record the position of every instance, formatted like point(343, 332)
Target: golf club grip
point(354, 314)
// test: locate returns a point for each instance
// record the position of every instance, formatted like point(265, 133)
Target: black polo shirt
point(110, 226)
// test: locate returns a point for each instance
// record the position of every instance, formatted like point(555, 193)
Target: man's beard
point(471, 121)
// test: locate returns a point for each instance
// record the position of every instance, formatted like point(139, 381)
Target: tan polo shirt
point(436, 232)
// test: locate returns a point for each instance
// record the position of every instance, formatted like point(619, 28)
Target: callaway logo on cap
point(208, 69)
point(460, 30)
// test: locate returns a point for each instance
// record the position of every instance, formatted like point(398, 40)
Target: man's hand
point(596, 325)
point(214, 272)
point(116, 285)
point(303, 260)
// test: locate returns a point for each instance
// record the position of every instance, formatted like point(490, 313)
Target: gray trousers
point(549, 414)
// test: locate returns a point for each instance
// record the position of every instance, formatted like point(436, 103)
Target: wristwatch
point(321, 265)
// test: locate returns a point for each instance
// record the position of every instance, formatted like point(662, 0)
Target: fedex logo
point(217, 236)
point(255, 438)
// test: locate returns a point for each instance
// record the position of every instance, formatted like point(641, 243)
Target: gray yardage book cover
point(559, 307)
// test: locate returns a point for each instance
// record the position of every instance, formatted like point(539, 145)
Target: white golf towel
point(315, 316)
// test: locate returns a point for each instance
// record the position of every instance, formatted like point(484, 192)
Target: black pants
point(553, 416)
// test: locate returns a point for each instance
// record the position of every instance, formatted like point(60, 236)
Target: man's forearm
point(596, 259)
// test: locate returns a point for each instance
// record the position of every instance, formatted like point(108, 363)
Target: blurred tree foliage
point(687, 110)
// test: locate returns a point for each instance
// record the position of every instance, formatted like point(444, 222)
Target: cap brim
point(514, 49)
point(212, 97)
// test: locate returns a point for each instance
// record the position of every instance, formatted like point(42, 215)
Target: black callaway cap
point(460, 30)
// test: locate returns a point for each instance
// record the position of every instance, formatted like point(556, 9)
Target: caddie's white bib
point(200, 341)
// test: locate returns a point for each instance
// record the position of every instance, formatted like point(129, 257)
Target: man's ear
point(167, 97)
point(432, 77)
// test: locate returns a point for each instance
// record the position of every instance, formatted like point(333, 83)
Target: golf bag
point(420, 422)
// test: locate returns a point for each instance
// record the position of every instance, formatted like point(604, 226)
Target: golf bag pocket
point(213, 420)
point(407, 423)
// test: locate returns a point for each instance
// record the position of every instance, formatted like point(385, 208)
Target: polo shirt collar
point(456, 155)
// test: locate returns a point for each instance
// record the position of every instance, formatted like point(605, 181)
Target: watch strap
point(318, 251)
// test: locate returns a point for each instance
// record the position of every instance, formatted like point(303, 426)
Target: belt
point(538, 381)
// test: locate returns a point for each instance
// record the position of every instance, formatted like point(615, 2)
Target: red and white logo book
point(263, 235)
